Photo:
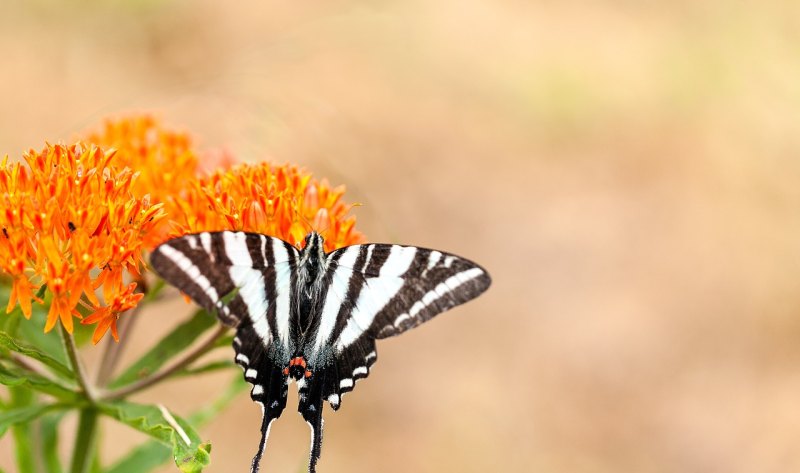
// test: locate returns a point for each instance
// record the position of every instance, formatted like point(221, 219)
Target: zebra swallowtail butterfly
point(310, 316)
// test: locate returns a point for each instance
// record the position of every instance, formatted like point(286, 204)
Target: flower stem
point(187, 358)
point(76, 365)
point(83, 452)
point(113, 349)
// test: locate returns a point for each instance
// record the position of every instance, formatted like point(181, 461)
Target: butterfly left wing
point(245, 279)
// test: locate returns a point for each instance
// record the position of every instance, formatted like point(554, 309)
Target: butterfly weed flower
point(276, 200)
point(72, 224)
point(165, 159)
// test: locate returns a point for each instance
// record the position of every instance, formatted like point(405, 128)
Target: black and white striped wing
point(245, 278)
point(380, 290)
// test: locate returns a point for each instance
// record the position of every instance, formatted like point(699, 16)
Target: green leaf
point(48, 433)
point(11, 376)
point(24, 414)
point(225, 341)
point(150, 455)
point(22, 405)
point(7, 342)
point(32, 331)
point(188, 451)
point(175, 342)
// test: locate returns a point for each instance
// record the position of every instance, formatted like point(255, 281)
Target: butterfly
point(312, 317)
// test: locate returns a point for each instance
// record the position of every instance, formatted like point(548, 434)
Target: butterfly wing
point(245, 279)
point(378, 291)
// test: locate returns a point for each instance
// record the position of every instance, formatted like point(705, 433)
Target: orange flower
point(164, 159)
point(107, 316)
point(281, 201)
point(71, 222)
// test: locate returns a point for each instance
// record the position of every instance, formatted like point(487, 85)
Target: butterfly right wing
point(245, 279)
point(378, 291)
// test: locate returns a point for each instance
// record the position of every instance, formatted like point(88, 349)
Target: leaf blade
point(18, 415)
point(9, 343)
point(189, 452)
point(48, 433)
point(13, 377)
point(152, 454)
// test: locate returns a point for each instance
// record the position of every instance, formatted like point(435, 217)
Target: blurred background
point(627, 171)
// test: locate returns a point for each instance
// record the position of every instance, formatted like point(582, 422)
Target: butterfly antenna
point(322, 232)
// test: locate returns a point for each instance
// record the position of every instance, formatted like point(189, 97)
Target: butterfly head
point(314, 246)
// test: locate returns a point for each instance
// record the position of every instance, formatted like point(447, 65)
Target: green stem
point(188, 358)
point(83, 452)
point(113, 349)
point(21, 397)
point(77, 366)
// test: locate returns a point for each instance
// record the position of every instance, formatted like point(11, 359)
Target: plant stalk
point(113, 349)
point(187, 358)
point(83, 452)
point(76, 365)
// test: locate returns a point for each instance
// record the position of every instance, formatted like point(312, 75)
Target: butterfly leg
point(270, 392)
point(311, 409)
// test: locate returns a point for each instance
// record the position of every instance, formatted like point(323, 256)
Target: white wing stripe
point(433, 258)
point(375, 294)
point(205, 240)
point(251, 289)
point(236, 248)
point(282, 292)
point(348, 258)
point(443, 288)
point(337, 291)
point(369, 255)
point(400, 258)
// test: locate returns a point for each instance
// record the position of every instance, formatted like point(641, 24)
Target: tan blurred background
point(627, 171)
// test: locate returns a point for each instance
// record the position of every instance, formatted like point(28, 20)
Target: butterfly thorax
point(308, 286)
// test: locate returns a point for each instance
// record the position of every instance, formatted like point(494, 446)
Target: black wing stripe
point(339, 284)
point(179, 264)
point(348, 302)
point(376, 260)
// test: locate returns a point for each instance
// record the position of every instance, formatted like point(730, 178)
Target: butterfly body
point(310, 316)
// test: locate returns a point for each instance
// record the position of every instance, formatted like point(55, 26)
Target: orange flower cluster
point(164, 158)
point(72, 222)
point(76, 219)
point(280, 201)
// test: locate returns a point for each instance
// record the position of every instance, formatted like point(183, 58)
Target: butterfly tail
point(272, 401)
point(266, 423)
point(311, 408)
